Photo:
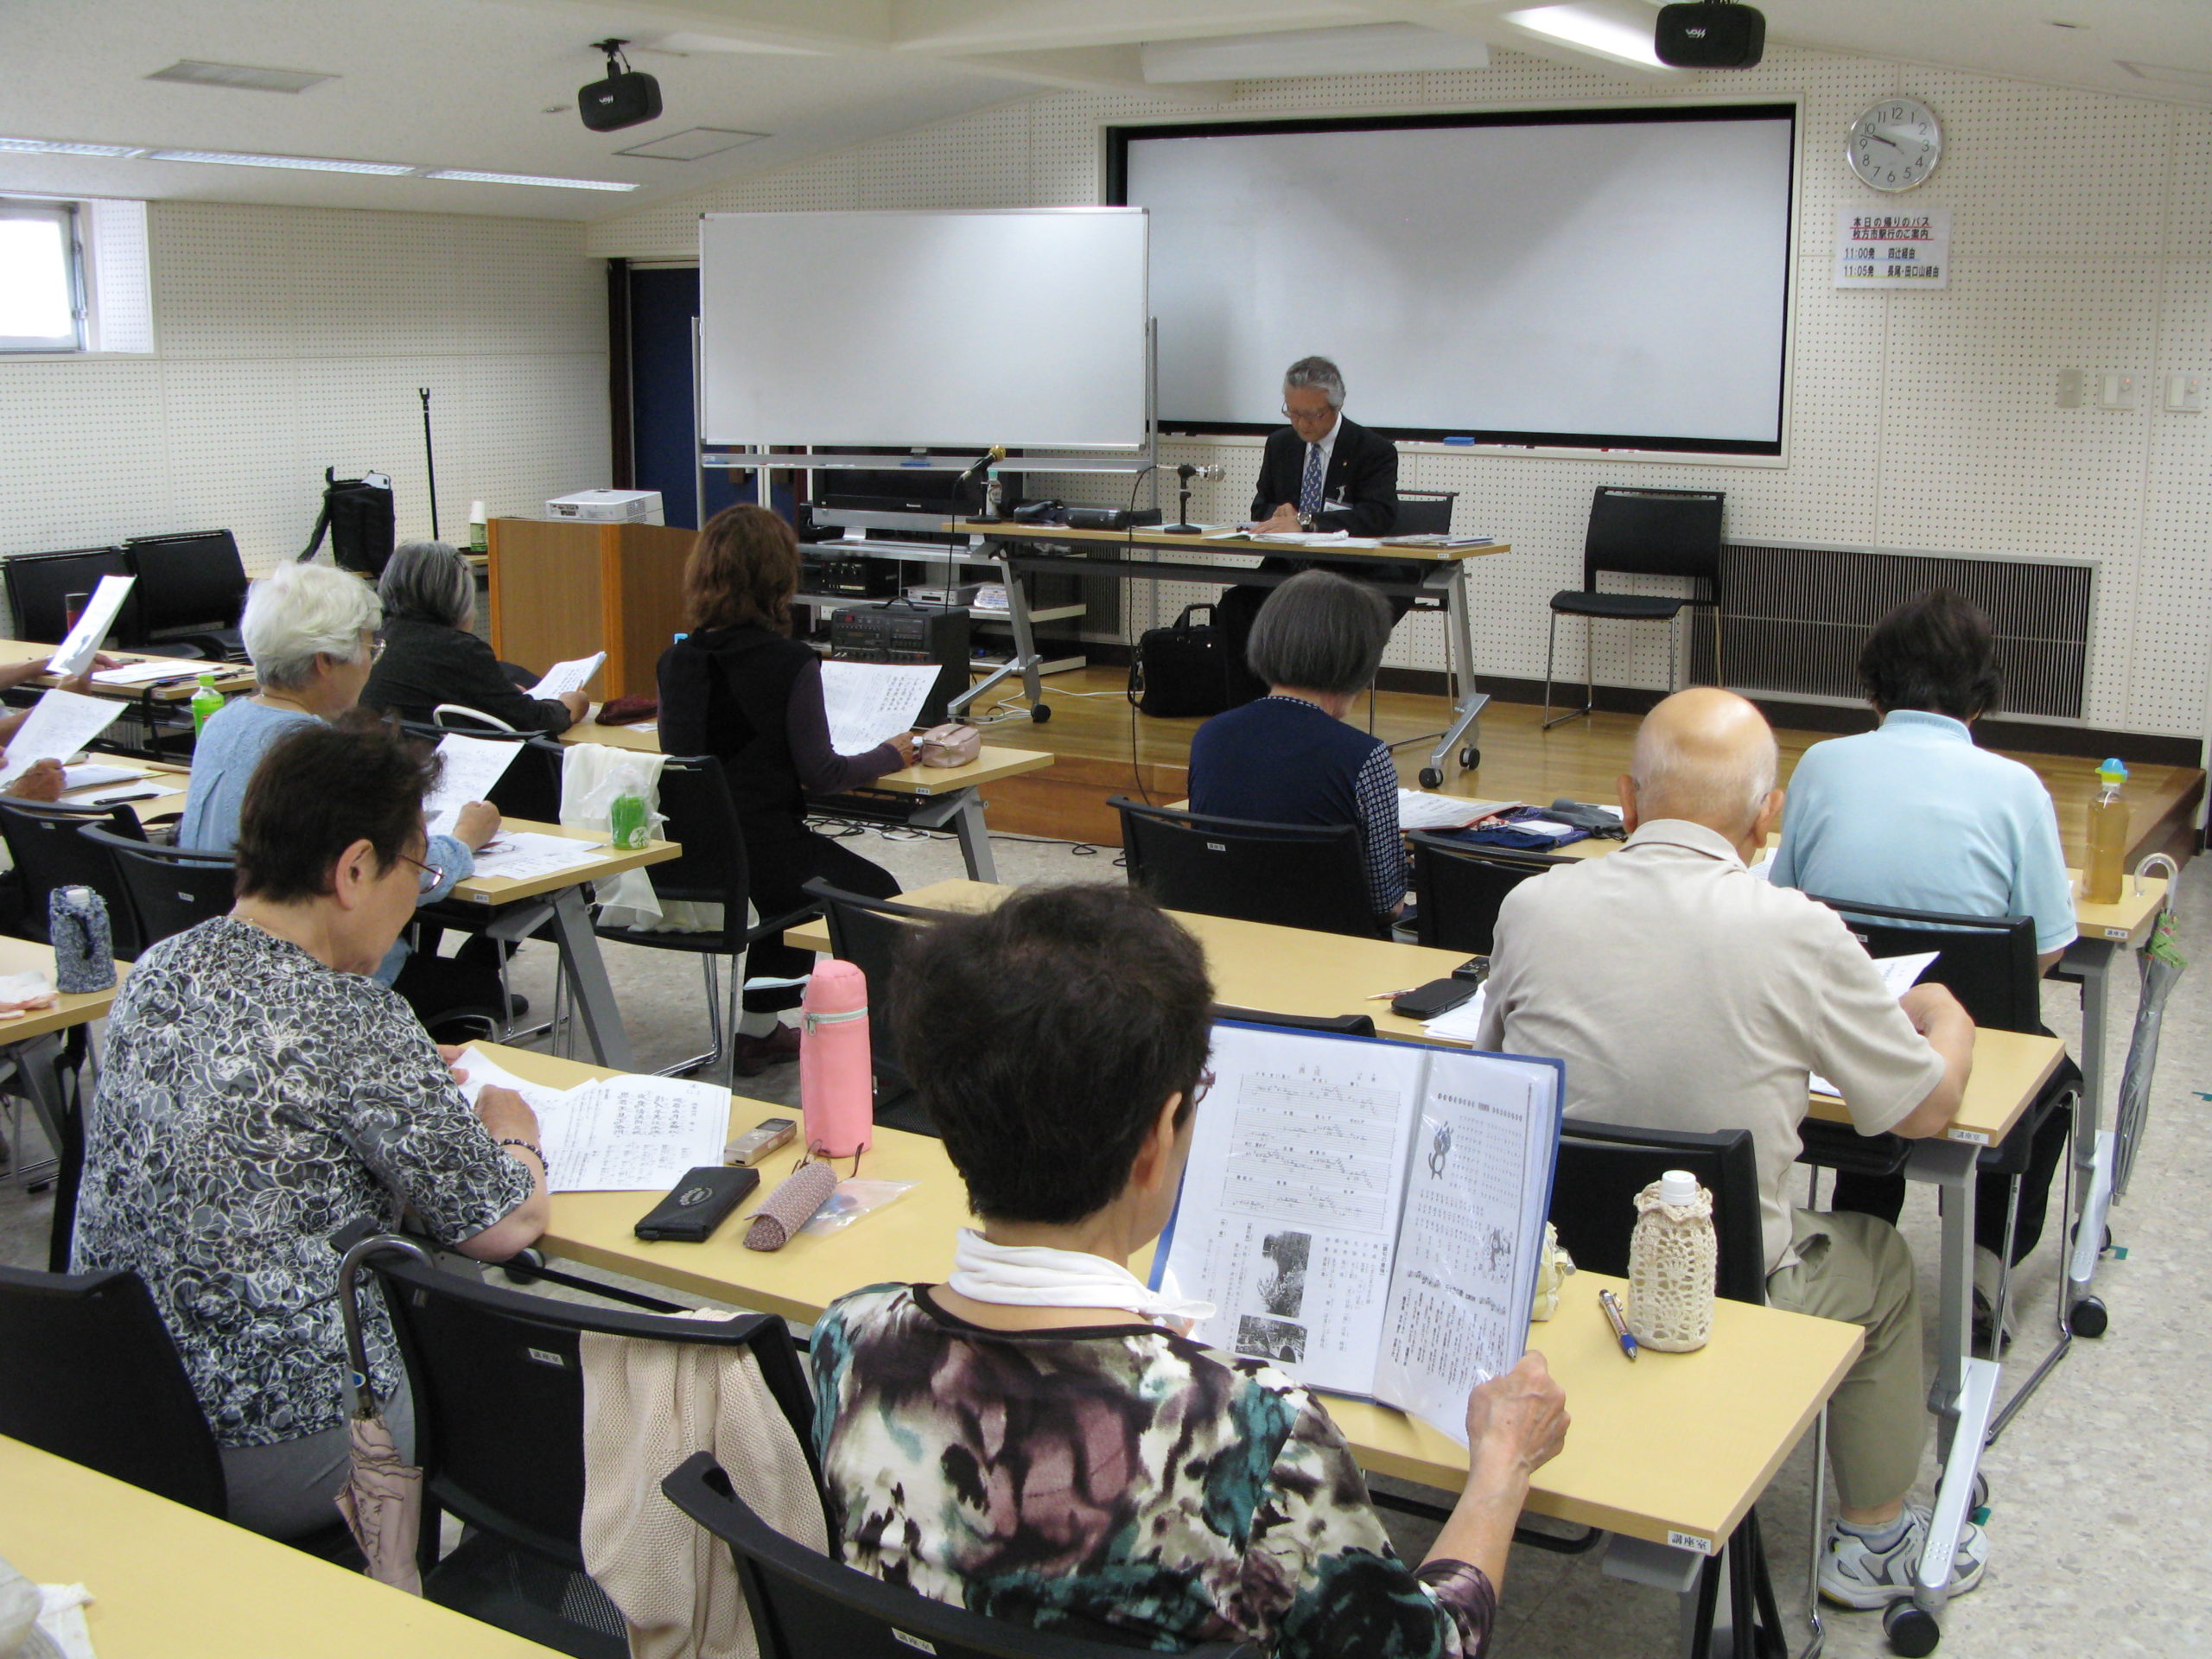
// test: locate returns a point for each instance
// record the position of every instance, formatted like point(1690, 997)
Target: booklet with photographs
point(1368, 1215)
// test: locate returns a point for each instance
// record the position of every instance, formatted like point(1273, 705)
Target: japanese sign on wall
point(1879, 248)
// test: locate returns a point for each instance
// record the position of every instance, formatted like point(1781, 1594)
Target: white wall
point(288, 340)
point(2082, 237)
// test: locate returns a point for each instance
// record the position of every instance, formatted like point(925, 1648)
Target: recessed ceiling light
point(245, 77)
point(302, 163)
point(1592, 30)
point(464, 175)
point(64, 147)
point(693, 143)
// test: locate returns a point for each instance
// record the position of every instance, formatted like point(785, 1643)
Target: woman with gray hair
point(431, 656)
point(1290, 758)
point(311, 632)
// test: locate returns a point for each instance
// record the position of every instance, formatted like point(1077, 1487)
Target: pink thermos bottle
point(836, 1085)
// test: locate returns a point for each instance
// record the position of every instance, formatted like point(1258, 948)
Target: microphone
point(1185, 473)
point(975, 468)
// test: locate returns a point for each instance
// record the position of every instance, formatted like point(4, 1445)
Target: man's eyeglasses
point(1301, 416)
point(1199, 1090)
point(432, 876)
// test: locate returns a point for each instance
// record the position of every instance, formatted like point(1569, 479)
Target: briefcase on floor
point(1182, 669)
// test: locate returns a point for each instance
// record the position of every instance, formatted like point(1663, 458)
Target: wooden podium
point(562, 589)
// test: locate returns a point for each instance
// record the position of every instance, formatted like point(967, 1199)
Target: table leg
point(964, 810)
point(38, 1065)
point(587, 972)
point(1965, 1388)
point(1465, 728)
point(2093, 1148)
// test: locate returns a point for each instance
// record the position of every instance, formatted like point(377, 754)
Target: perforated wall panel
point(2081, 239)
point(290, 339)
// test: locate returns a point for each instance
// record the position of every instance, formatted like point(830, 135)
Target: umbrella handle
point(2172, 873)
point(360, 1398)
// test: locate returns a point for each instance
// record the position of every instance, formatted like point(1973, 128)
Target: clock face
point(1896, 144)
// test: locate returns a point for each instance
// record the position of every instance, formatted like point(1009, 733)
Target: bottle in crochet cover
point(1672, 1256)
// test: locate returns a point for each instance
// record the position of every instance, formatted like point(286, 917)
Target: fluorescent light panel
point(1590, 29)
point(63, 147)
point(299, 163)
point(465, 175)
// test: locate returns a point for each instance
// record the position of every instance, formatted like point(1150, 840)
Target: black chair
point(1602, 1166)
point(1292, 874)
point(870, 934)
point(1646, 533)
point(807, 1607)
point(1424, 512)
point(40, 585)
point(49, 853)
point(169, 889)
point(712, 869)
point(1335, 1025)
point(88, 1372)
point(1457, 889)
point(191, 588)
point(530, 787)
point(497, 1383)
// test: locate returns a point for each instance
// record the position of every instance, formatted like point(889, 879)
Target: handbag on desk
point(1182, 669)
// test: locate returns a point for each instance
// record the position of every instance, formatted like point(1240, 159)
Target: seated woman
point(1914, 815)
point(259, 1091)
point(740, 688)
point(310, 631)
point(1291, 758)
point(432, 656)
point(1036, 1439)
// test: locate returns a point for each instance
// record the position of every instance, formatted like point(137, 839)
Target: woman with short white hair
point(311, 632)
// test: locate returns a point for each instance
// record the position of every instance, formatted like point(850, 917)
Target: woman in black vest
point(740, 688)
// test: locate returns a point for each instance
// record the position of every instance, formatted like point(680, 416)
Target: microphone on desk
point(1185, 473)
point(981, 463)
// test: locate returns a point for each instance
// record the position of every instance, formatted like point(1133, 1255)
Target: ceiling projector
point(1709, 34)
point(624, 98)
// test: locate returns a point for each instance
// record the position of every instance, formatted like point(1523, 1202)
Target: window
point(42, 289)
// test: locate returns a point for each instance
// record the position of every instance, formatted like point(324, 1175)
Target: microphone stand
point(1183, 526)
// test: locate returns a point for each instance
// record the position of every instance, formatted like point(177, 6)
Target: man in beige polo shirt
point(1685, 993)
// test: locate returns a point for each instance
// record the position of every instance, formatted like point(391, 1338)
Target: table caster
point(2088, 1318)
point(1470, 758)
point(1431, 777)
point(1040, 713)
point(1912, 1630)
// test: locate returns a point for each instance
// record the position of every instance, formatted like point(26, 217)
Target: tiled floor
point(2099, 1535)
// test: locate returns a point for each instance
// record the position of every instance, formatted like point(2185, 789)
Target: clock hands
point(1878, 139)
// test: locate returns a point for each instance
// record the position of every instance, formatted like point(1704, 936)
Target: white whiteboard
point(1023, 326)
point(1574, 280)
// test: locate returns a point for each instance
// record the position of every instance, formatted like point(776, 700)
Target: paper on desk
point(1419, 809)
point(615, 1134)
point(76, 652)
point(61, 1619)
point(92, 777)
point(868, 702)
point(1899, 975)
point(484, 1072)
point(61, 723)
point(564, 677)
point(523, 856)
point(473, 765)
point(145, 673)
point(1461, 1024)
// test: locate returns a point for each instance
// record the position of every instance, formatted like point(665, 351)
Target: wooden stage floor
point(1102, 752)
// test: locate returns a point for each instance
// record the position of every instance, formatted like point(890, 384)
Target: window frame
point(69, 216)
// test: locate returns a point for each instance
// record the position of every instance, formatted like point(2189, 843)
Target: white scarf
point(1031, 1275)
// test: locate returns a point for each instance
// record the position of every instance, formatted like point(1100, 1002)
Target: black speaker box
point(1112, 517)
point(620, 101)
point(1710, 35)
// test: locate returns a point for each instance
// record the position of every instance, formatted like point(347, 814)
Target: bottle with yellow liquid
point(2107, 836)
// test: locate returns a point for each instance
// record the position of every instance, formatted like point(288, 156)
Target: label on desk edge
point(1690, 1541)
point(1971, 1137)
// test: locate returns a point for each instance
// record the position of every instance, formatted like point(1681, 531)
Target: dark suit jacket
point(425, 664)
point(1363, 472)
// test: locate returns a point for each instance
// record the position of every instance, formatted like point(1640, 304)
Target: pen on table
point(1391, 996)
point(1612, 1305)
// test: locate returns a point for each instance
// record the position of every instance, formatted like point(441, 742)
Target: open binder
point(1369, 1215)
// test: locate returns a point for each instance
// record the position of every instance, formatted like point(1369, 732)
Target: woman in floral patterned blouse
point(260, 1092)
point(1065, 1456)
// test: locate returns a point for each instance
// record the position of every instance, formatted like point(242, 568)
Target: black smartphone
point(1474, 970)
point(1438, 996)
point(698, 1203)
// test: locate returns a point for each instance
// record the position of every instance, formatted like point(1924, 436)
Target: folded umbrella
point(382, 1500)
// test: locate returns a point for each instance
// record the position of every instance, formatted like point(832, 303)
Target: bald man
point(1685, 993)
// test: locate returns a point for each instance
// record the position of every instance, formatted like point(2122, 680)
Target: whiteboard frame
point(1794, 101)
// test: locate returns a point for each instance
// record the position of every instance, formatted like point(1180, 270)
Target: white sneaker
point(1853, 1573)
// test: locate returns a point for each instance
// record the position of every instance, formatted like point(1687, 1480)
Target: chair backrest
point(1457, 889)
point(712, 869)
point(530, 787)
point(43, 841)
point(1987, 961)
point(807, 1607)
point(460, 717)
point(497, 1382)
point(1602, 1166)
point(1338, 1025)
point(1424, 512)
point(88, 1372)
point(192, 581)
point(168, 888)
point(871, 933)
point(1293, 874)
point(1654, 532)
point(40, 584)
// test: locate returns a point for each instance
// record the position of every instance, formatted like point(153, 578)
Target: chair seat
point(1839, 1146)
point(1637, 607)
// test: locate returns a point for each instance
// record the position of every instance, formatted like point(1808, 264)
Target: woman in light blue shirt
point(1914, 815)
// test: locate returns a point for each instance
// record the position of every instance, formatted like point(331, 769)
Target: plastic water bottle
point(206, 702)
point(83, 947)
point(1672, 1260)
point(477, 527)
point(836, 1083)
point(2107, 836)
point(627, 824)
